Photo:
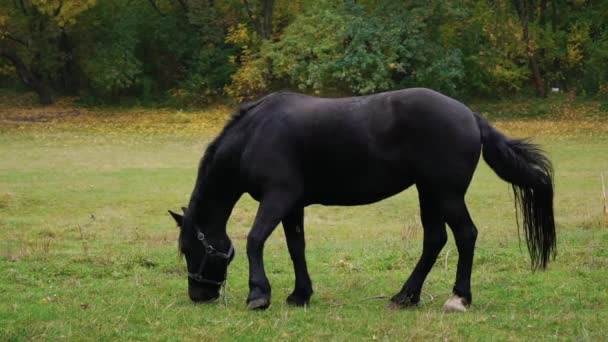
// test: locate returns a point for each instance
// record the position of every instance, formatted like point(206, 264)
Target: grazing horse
point(290, 150)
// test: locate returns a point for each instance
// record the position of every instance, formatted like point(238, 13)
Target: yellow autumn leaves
point(66, 115)
point(567, 118)
point(63, 12)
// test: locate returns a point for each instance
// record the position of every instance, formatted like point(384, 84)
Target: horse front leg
point(293, 224)
point(273, 207)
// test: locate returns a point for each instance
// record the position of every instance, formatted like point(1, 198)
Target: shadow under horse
point(290, 150)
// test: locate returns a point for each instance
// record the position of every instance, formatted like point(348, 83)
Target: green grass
point(88, 251)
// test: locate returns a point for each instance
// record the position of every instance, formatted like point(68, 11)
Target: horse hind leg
point(435, 237)
point(465, 235)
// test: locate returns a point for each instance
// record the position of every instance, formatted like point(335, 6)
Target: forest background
point(191, 53)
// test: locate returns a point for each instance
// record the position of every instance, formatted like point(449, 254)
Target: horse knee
point(468, 233)
point(254, 243)
point(436, 241)
point(473, 235)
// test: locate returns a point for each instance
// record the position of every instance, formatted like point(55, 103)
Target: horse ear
point(179, 219)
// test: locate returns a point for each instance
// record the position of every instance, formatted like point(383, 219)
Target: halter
point(210, 251)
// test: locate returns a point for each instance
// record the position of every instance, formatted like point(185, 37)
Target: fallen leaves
point(65, 116)
point(562, 128)
point(560, 118)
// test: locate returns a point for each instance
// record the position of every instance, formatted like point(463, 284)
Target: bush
point(347, 48)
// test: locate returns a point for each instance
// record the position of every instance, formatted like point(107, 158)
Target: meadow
point(88, 251)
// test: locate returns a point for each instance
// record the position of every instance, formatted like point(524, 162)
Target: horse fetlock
point(465, 294)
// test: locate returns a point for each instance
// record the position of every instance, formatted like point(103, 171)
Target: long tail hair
point(530, 173)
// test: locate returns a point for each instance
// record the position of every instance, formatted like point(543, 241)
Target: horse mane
point(207, 160)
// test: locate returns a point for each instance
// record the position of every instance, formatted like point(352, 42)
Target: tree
point(346, 48)
point(526, 11)
point(261, 18)
point(189, 51)
point(35, 39)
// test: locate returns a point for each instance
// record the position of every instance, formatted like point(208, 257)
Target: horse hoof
point(259, 304)
point(455, 304)
point(295, 300)
point(403, 300)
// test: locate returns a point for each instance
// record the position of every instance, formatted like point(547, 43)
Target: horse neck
point(212, 202)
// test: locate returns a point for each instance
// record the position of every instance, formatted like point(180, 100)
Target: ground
point(88, 251)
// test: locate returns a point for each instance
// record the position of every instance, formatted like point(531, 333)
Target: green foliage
point(588, 49)
point(198, 51)
point(209, 69)
point(110, 63)
point(209, 73)
point(35, 40)
point(444, 74)
point(348, 48)
point(308, 49)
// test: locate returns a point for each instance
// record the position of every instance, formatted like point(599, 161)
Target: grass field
point(88, 251)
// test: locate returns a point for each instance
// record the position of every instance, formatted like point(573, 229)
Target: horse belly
point(355, 187)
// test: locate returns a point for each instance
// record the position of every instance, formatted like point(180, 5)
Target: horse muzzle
point(199, 295)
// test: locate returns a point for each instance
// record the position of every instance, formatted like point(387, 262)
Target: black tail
point(529, 171)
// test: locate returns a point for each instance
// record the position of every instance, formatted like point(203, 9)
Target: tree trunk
point(543, 13)
point(525, 11)
point(267, 18)
point(264, 25)
point(69, 71)
point(537, 79)
point(38, 84)
point(553, 16)
point(43, 89)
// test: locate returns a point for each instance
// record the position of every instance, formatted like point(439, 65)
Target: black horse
point(289, 150)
